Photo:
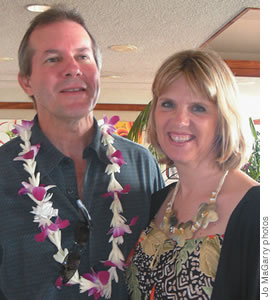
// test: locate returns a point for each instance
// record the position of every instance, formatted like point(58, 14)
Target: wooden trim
point(16, 105)
point(120, 107)
point(100, 106)
point(246, 68)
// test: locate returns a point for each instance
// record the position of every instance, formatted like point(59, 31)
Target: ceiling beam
point(242, 13)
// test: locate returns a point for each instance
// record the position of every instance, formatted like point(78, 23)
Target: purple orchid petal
point(105, 119)
point(107, 195)
point(40, 237)
point(118, 231)
point(62, 223)
point(15, 131)
point(92, 291)
point(59, 282)
point(126, 189)
point(32, 152)
point(26, 125)
point(39, 192)
point(97, 295)
point(23, 191)
point(90, 277)
point(109, 124)
point(133, 221)
point(27, 188)
point(114, 120)
point(109, 263)
point(117, 157)
point(120, 266)
point(103, 277)
point(59, 224)
point(29, 154)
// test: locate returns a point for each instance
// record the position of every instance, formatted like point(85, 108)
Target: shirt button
point(70, 191)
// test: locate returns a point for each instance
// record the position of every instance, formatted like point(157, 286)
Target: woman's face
point(186, 124)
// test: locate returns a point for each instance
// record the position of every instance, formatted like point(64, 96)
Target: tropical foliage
point(252, 168)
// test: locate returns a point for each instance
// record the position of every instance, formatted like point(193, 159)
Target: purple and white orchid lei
point(97, 284)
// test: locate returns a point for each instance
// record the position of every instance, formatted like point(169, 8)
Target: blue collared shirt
point(27, 267)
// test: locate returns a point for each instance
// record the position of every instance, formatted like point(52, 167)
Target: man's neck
point(69, 136)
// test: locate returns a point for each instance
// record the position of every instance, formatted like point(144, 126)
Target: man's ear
point(25, 83)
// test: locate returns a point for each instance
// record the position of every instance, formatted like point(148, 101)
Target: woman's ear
point(25, 83)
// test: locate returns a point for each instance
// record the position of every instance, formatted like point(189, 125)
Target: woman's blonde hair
point(208, 74)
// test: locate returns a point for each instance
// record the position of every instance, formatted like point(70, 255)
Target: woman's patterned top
point(158, 268)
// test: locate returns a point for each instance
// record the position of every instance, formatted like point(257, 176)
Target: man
point(60, 70)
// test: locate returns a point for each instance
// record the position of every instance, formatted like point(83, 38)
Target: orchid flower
point(115, 188)
point(108, 125)
point(25, 126)
point(44, 212)
point(37, 191)
point(94, 283)
point(30, 154)
point(116, 257)
point(119, 230)
point(117, 158)
point(45, 230)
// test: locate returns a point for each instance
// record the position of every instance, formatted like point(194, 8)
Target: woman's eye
point(167, 104)
point(198, 108)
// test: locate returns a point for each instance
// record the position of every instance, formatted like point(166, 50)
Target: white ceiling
point(157, 27)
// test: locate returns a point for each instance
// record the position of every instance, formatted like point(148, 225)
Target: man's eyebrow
point(51, 51)
point(82, 49)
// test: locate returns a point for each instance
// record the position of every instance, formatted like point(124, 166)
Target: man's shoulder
point(128, 145)
point(10, 150)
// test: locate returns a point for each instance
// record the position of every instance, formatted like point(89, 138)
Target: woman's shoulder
point(158, 198)
point(240, 186)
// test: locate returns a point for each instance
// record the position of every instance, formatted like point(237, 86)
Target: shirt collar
point(96, 145)
point(49, 156)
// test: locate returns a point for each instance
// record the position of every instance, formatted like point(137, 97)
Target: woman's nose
point(182, 117)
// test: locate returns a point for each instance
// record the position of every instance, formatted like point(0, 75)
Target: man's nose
point(72, 68)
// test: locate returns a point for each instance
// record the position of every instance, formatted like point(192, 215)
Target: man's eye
point(198, 108)
point(52, 59)
point(84, 57)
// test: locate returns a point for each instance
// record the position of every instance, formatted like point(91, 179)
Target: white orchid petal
point(55, 238)
point(60, 255)
point(114, 185)
point(112, 168)
point(86, 284)
point(116, 205)
point(75, 279)
point(113, 274)
point(110, 150)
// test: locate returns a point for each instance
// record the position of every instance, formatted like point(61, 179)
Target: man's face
point(65, 77)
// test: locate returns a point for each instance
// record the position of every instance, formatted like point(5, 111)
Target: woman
point(184, 253)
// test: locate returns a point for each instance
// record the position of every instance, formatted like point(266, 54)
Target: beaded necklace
point(185, 230)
